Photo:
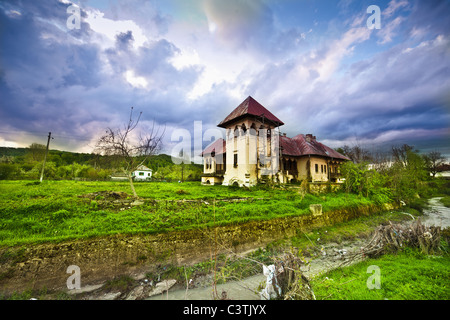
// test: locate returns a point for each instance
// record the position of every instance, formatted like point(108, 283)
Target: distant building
point(142, 173)
point(254, 152)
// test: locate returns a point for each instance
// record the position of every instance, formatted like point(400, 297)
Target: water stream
point(332, 256)
point(437, 215)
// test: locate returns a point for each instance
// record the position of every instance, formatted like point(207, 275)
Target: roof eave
point(237, 119)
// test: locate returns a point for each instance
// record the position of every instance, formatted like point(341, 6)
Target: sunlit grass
point(408, 275)
point(53, 210)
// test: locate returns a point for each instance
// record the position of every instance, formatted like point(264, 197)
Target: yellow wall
point(246, 147)
point(322, 172)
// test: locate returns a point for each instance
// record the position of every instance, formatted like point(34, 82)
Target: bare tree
point(356, 153)
point(433, 160)
point(400, 154)
point(380, 161)
point(130, 154)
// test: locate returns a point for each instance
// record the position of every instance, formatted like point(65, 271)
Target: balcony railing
point(335, 175)
point(291, 172)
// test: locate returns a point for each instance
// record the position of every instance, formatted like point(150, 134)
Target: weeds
point(63, 210)
point(406, 275)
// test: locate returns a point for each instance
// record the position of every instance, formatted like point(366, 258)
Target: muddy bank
point(44, 265)
point(332, 255)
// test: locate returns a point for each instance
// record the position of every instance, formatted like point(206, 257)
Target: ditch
point(326, 256)
point(332, 256)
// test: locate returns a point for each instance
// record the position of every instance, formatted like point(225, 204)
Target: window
point(235, 160)
point(141, 173)
point(317, 168)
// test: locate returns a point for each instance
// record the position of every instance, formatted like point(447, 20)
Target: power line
point(38, 133)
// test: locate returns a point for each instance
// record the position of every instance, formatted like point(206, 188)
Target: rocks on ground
point(142, 290)
point(112, 199)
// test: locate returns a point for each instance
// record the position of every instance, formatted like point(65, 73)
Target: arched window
point(230, 134)
point(253, 129)
point(244, 129)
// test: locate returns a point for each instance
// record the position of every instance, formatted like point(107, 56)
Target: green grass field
point(53, 210)
point(407, 275)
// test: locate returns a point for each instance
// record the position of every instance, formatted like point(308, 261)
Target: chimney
point(284, 134)
point(309, 137)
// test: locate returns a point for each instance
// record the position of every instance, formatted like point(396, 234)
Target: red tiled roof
point(297, 146)
point(217, 146)
point(300, 146)
point(250, 107)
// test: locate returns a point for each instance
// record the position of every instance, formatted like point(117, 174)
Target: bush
point(8, 171)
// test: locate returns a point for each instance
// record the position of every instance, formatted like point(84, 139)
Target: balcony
point(291, 172)
point(334, 176)
point(217, 173)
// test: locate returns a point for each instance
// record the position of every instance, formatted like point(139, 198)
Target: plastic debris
point(269, 291)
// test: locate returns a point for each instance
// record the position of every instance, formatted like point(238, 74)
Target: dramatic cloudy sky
point(314, 63)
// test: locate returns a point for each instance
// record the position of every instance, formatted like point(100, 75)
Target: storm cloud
point(314, 64)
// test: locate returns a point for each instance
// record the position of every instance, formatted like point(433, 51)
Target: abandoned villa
point(255, 152)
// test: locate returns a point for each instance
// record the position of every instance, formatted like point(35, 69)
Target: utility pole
point(182, 172)
point(45, 157)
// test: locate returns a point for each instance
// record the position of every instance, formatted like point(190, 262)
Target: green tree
point(36, 152)
point(361, 180)
point(407, 174)
point(9, 171)
point(354, 174)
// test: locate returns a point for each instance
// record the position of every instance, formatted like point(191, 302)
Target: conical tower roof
point(250, 107)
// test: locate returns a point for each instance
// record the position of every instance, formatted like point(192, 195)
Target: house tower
point(251, 144)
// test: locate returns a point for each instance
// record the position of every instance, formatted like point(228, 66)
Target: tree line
point(401, 176)
point(26, 163)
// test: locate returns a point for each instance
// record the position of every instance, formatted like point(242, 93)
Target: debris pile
point(285, 280)
point(393, 237)
point(111, 199)
point(106, 195)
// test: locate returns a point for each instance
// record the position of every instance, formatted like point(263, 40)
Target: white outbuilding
point(142, 173)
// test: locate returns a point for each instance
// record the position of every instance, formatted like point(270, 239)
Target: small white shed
point(142, 173)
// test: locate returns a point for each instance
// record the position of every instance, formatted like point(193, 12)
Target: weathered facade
point(254, 152)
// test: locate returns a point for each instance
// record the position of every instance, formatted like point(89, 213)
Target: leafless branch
point(131, 154)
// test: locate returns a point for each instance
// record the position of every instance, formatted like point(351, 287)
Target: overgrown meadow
point(407, 275)
point(56, 210)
